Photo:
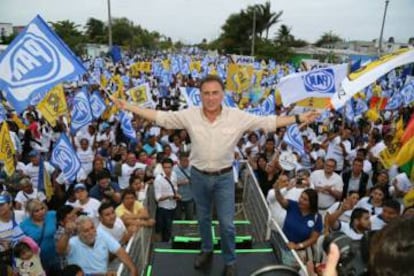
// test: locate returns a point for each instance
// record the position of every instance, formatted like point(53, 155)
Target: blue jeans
point(220, 189)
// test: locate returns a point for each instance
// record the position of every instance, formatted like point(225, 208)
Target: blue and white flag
point(319, 83)
point(34, 63)
point(324, 116)
point(268, 106)
point(3, 113)
point(395, 101)
point(349, 111)
point(81, 114)
point(408, 93)
point(192, 95)
point(228, 100)
point(98, 105)
point(293, 138)
point(126, 126)
point(65, 158)
point(360, 107)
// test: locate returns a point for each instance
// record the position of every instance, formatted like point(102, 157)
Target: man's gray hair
point(81, 221)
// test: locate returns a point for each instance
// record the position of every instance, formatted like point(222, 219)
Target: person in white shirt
point(127, 169)
point(374, 202)
point(351, 199)
point(391, 210)
point(86, 155)
point(355, 229)
point(165, 188)
point(32, 169)
point(113, 224)
point(338, 148)
point(88, 204)
point(27, 192)
point(289, 191)
point(328, 184)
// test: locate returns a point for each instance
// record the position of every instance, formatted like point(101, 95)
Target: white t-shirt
point(118, 231)
point(22, 197)
point(366, 204)
point(345, 217)
point(319, 179)
point(377, 223)
point(277, 211)
point(86, 158)
point(33, 172)
point(335, 151)
point(345, 228)
point(90, 208)
point(163, 188)
point(126, 171)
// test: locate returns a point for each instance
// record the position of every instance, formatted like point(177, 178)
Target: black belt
point(216, 173)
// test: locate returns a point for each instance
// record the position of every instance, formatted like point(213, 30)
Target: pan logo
point(80, 113)
point(322, 81)
point(64, 156)
point(33, 60)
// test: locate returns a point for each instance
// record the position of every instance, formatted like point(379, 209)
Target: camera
point(81, 213)
point(353, 260)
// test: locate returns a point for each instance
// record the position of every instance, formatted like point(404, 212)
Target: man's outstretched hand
point(309, 117)
point(120, 103)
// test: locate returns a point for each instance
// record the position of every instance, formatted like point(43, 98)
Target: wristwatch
point(297, 119)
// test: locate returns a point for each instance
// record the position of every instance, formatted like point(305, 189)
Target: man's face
point(108, 217)
point(184, 162)
point(104, 183)
point(131, 159)
point(388, 214)
point(87, 232)
point(81, 194)
point(357, 167)
point(211, 96)
point(364, 223)
point(167, 167)
point(34, 160)
point(329, 166)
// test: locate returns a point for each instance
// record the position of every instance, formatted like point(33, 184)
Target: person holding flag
point(217, 128)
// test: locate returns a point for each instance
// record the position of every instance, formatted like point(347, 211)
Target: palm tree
point(268, 17)
point(328, 39)
point(284, 37)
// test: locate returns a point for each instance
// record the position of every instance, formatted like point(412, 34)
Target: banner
point(369, 73)
point(33, 63)
point(7, 149)
point(65, 158)
point(141, 95)
point(53, 105)
point(318, 83)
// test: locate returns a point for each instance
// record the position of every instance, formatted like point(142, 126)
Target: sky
point(192, 20)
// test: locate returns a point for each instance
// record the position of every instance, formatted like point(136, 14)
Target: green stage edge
point(214, 222)
point(215, 239)
point(191, 251)
point(149, 270)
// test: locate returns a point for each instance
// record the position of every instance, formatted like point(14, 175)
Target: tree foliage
point(70, 33)
point(327, 39)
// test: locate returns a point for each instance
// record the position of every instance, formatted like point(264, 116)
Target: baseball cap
point(79, 186)
point(33, 153)
point(5, 199)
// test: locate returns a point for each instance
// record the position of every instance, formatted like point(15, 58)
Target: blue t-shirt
point(47, 245)
point(93, 259)
point(297, 227)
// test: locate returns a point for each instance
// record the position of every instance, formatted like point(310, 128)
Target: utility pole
point(109, 24)
point(382, 27)
point(254, 31)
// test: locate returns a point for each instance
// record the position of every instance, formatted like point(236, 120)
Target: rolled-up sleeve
point(253, 122)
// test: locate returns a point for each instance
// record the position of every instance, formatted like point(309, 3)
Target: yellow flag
point(387, 156)
point(53, 105)
point(319, 103)
point(239, 77)
point(18, 121)
point(195, 65)
point(7, 149)
point(145, 67)
point(372, 115)
point(259, 77)
point(104, 81)
point(49, 191)
point(166, 64)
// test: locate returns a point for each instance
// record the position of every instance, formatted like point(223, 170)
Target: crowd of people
point(339, 184)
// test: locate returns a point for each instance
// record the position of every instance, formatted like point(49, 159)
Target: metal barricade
point(254, 204)
point(139, 245)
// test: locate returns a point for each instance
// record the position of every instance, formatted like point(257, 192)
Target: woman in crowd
point(303, 223)
point(373, 203)
point(41, 227)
